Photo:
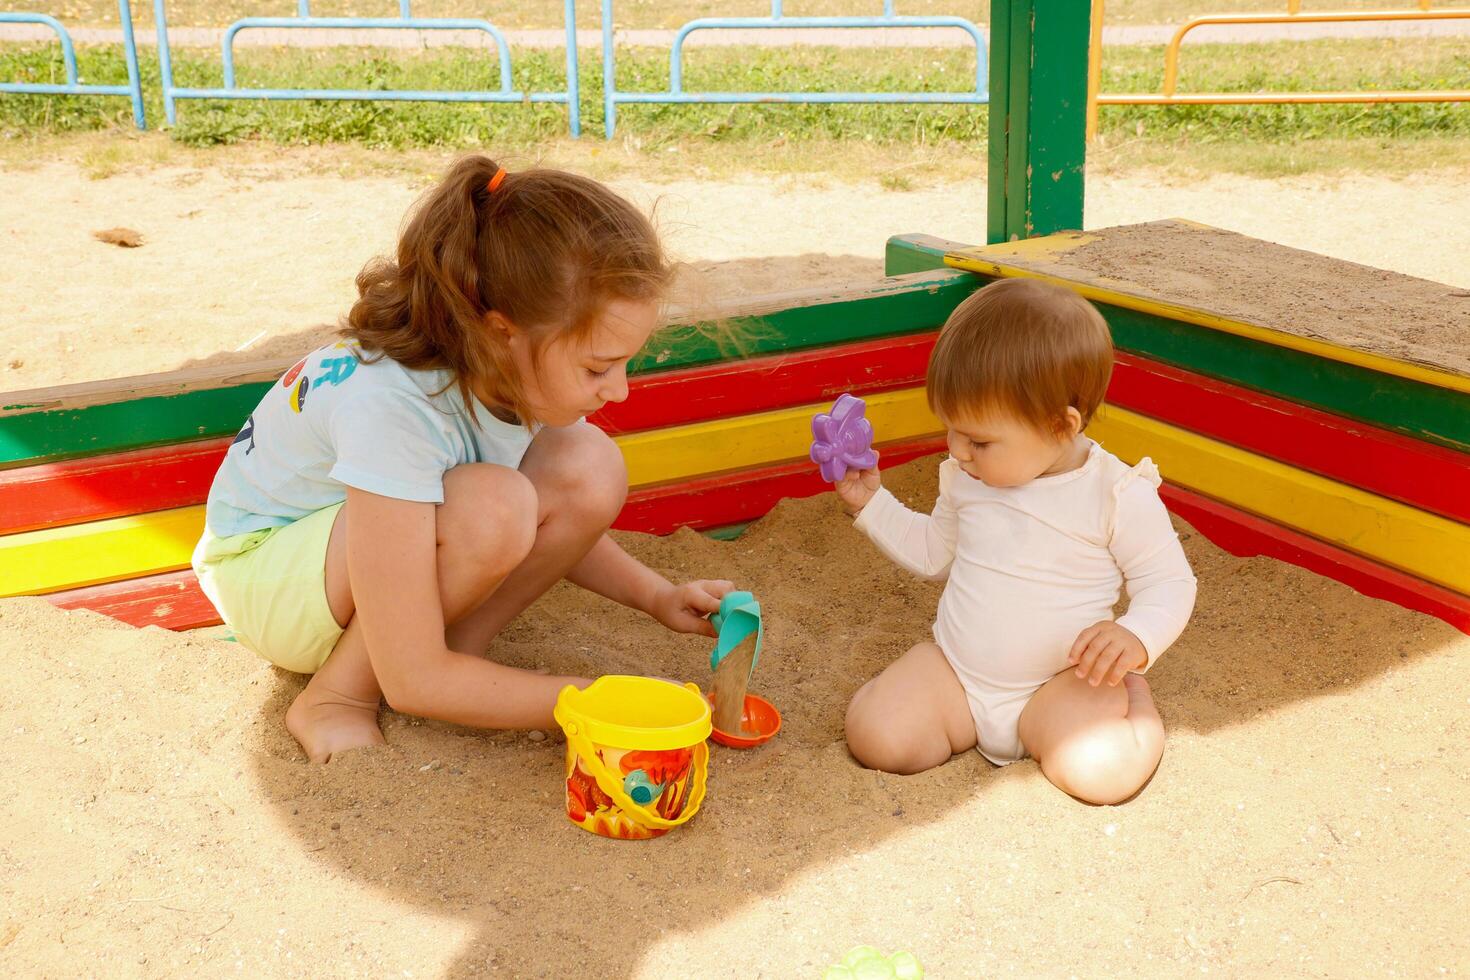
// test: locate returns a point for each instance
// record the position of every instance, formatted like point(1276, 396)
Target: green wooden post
point(1038, 116)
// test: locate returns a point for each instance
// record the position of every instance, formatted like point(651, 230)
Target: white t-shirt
point(334, 422)
point(1030, 567)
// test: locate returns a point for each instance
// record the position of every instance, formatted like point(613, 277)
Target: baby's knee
point(877, 743)
point(1104, 766)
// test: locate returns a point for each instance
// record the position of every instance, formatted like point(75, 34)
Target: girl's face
point(573, 376)
point(1002, 451)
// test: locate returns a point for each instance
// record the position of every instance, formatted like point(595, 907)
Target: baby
point(1036, 528)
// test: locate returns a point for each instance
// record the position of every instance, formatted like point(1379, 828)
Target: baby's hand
point(1106, 650)
point(858, 487)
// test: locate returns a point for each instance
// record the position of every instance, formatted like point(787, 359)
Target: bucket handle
point(613, 786)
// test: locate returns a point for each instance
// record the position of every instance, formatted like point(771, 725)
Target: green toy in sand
point(867, 963)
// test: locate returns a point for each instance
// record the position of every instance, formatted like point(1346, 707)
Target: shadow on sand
point(470, 824)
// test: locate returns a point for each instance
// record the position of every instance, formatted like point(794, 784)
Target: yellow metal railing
point(1295, 6)
point(1171, 96)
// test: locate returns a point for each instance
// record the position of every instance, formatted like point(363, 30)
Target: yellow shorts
point(270, 587)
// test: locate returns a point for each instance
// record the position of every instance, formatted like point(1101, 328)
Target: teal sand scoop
point(740, 719)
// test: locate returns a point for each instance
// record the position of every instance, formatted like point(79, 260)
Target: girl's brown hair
point(545, 249)
point(1027, 348)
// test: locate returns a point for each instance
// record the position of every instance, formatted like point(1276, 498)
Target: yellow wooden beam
point(121, 548)
point(704, 448)
point(54, 559)
point(1422, 544)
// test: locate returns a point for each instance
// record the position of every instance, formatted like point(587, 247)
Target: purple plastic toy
point(843, 440)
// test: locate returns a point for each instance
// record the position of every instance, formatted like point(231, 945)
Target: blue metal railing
point(404, 21)
point(74, 84)
point(980, 95)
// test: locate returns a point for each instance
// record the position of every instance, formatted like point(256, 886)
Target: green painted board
point(1056, 131)
point(1423, 411)
point(41, 437)
point(899, 306)
point(919, 303)
point(1003, 121)
point(1038, 114)
point(902, 305)
point(916, 253)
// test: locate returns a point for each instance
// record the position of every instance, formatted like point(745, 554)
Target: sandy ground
point(241, 262)
point(1308, 819)
point(1291, 290)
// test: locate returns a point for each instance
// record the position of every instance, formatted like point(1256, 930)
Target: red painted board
point(1246, 535)
point(1426, 476)
point(172, 601)
point(1420, 474)
point(730, 498)
point(115, 485)
point(761, 384)
point(92, 489)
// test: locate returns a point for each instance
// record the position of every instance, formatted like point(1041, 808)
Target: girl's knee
point(584, 473)
point(488, 510)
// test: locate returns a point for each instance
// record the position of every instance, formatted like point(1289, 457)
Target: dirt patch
point(1307, 819)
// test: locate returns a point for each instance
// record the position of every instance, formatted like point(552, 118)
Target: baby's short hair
point(1027, 348)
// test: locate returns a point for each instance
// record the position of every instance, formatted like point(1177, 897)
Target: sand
point(1308, 818)
point(1286, 289)
point(243, 262)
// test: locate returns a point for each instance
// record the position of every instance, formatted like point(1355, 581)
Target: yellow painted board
point(704, 448)
point(1422, 544)
point(54, 559)
point(1000, 261)
point(103, 551)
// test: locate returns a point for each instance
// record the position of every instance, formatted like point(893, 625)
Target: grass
point(906, 142)
point(640, 13)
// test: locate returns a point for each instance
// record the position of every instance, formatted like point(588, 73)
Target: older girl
point(401, 495)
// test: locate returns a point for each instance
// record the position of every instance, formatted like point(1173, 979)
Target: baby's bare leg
point(1099, 744)
point(484, 529)
point(913, 716)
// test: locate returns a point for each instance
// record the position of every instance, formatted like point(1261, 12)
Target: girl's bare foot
point(327, 722)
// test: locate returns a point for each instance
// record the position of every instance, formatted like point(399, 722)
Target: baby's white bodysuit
point(1030, 567)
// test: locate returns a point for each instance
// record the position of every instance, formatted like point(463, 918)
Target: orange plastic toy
point(759, 723)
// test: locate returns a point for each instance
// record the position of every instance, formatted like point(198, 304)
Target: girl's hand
point(685, 608)
point(1106, 651)
point(857, 488)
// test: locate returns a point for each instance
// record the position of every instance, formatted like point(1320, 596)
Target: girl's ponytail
point(543, 248)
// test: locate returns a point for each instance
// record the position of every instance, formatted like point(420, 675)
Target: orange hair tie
point(496, 181)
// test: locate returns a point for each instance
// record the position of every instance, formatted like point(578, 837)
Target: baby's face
point(1003, 451)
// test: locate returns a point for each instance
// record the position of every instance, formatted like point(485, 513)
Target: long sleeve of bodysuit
point(922, 543)
point(1160, 585)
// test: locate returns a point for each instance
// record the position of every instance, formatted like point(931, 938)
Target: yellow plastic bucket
point(636, 755)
